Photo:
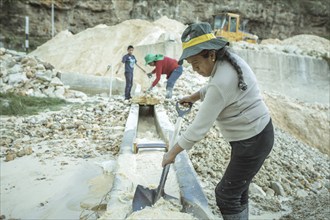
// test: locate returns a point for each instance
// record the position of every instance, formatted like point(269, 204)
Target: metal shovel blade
point(144, 197)
point(147, 197)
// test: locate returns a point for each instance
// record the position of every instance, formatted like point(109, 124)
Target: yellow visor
point(198, 40)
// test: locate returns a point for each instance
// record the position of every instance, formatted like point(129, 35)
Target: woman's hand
point(192, 98)
point(186, 100)
point(168, 158)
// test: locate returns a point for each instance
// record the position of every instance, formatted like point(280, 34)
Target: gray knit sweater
point(239, 114)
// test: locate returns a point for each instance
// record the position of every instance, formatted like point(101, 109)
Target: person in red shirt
point(164, 65)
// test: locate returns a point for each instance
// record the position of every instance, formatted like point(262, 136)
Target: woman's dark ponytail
point(225, 54)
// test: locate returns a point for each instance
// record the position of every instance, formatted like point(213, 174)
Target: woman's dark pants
point(247, 157)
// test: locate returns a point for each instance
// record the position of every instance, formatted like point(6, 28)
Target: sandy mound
point(307, 122)
point(90, 51)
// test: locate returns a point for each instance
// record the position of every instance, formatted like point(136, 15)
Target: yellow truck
point(227, 25)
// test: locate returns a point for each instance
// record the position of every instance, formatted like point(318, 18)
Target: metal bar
point(151, 145)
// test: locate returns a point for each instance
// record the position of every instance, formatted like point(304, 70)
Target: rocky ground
point(294, 182)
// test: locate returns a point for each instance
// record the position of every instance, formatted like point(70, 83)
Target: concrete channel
point(144, 166)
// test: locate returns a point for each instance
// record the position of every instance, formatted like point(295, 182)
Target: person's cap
point(153, 57)
point(198, 37)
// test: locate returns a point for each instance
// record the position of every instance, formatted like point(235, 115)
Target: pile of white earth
point(90, 51)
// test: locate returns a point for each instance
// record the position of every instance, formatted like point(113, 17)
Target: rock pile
point(303, 45)
point(29, 76)
point(86, 131)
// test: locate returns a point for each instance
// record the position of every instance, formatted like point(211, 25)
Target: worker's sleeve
point(202, 93)
point(209, 110)
point(123, 60)
point(158, 70)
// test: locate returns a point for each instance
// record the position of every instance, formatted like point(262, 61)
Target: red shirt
point(165, 66)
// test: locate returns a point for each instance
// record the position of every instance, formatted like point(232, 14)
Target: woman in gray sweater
point(233, 101)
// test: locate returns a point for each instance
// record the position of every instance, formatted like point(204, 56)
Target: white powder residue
point(163, 209)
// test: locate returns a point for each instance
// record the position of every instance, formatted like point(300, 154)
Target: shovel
point(144, 196)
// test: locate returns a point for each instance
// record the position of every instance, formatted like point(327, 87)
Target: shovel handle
point(183, 112)
point(160, 189)
point(166, 169)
